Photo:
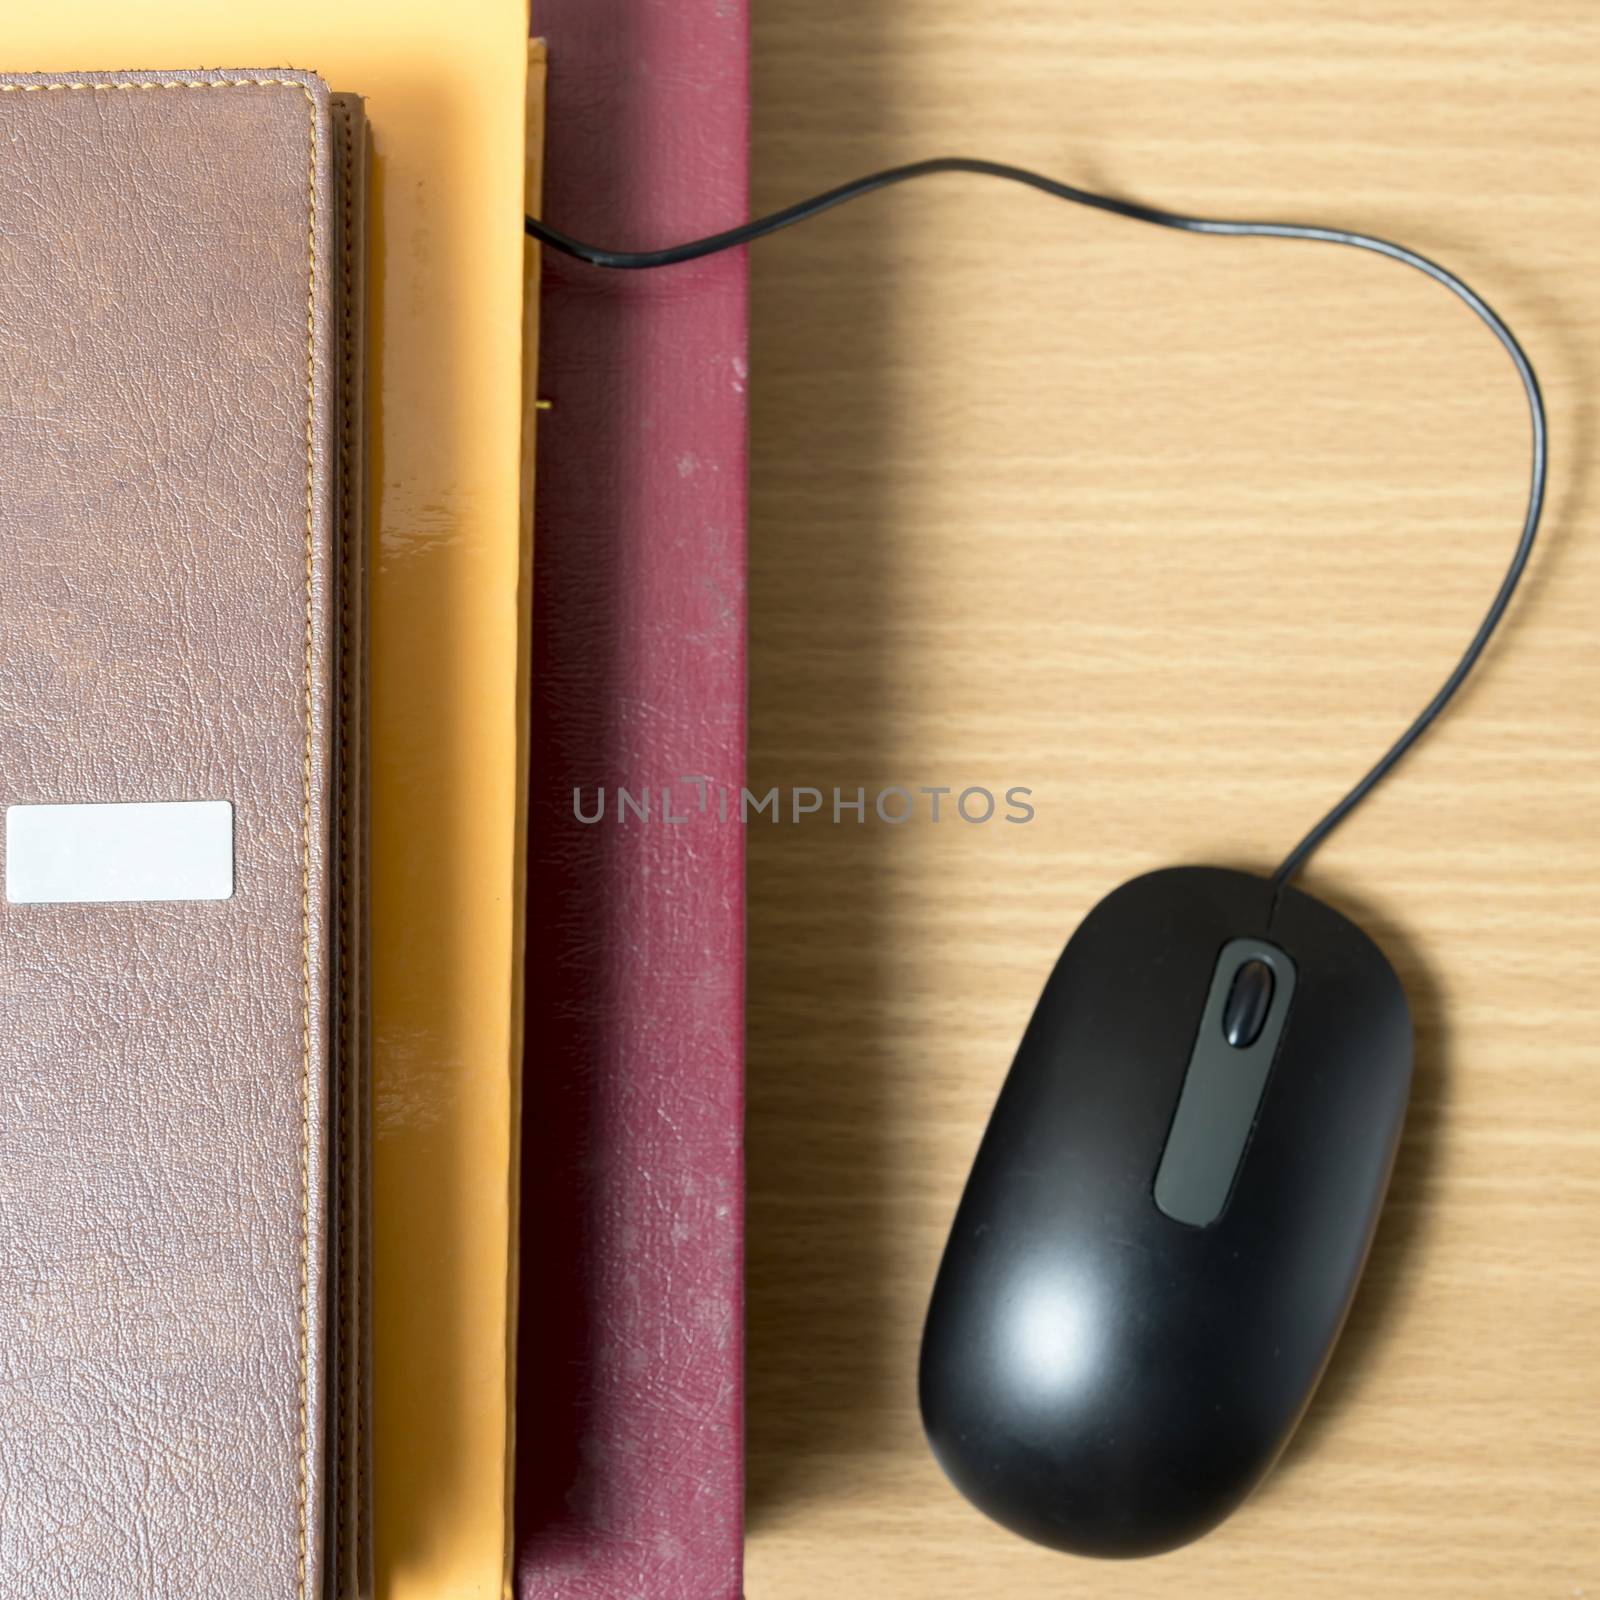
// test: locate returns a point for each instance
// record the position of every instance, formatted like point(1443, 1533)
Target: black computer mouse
point(1168, 1213)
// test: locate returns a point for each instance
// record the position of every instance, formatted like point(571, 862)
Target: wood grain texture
point(1178, 533)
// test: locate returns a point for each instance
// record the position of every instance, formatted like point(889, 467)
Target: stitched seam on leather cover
point(305, 812)
point(305, 856)
point(344, 1426)
point(164, 83)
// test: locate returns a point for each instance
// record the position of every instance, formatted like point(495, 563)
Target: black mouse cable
point(731, 238)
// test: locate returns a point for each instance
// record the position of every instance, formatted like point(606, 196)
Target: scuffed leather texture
point(178, 490)
point(630, 1382)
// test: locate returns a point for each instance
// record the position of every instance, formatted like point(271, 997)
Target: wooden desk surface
point(1179, 533)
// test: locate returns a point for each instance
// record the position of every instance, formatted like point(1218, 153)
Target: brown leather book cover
point(181, 1027)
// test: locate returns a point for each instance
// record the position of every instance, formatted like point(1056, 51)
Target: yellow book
point(446, 91)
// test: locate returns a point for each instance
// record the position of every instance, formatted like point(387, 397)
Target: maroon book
point(630, 1360)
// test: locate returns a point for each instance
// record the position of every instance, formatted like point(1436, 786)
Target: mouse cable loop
point(731, 238)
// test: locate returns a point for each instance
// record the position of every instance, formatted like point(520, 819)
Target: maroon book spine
point(630, 1360)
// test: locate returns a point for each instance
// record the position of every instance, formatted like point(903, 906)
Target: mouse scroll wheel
point(1249, 1001)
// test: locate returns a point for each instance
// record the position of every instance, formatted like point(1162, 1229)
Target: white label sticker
point(171, 850)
